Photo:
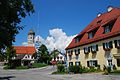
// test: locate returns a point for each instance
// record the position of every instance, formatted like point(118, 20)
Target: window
point(77, 63)
point(107, 29)
point(118, 62)
point(117, 43)
point(77, 56)
point(61, 57)
point(92, 63)
point(58, 57)
point(107, 45)
point(94, 48)
point(98, 22)
point(77, 51)
point(90, 35)
point(86, 49)
point(70, 52)
point(77, 39)
point(70, 63)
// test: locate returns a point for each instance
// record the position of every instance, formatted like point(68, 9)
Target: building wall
point(100, 55)
point(59, 55)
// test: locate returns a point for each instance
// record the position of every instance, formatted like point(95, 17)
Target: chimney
point(99, 14)
point(109, 8)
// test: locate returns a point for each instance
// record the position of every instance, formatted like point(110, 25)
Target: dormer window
point(94, 48)
point(107, 45)
point(90, 35)
point(117, 43)
point(107, 29)
point(77, 39)
point(86, 50)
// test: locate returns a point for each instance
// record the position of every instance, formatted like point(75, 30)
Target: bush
point(107, 70)
point(92, 69)
point(75, 69)
point(60, 68)
point(85, 70)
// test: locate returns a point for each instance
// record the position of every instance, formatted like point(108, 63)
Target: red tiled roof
point(25, 49)
point(104, 19)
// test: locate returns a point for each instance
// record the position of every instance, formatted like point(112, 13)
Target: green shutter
point(96, 47)
point(88, 49)
point(95, 63)
point(115, 42)
point(88, 65)
point(110, 44)
point(104, 46)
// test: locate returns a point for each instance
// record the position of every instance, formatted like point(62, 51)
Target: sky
point(58, 21)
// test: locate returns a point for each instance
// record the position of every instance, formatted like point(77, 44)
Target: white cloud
point(25, 43)
point(57, 39)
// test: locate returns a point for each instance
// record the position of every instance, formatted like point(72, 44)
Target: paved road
point(45, 74)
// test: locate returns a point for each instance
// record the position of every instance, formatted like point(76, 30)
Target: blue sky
point(71, 16)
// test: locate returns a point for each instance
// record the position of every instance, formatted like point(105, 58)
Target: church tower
point(31, 36)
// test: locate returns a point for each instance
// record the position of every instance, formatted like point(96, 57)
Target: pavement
point(45, 74)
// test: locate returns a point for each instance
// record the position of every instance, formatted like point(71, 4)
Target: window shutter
point(96, 47)
point(95, 63)
point(78, 51)
point(110, 44)
point(88, 65)
point(88, 49)
point(84, 50)
point(91, 48)
point(115, 42)
point(104, 46)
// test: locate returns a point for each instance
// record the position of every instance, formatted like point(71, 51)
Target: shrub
point(75, 69)
point(92, 69)
point(60, 68)
point(107, 70)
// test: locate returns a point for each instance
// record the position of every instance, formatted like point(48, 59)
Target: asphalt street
point(45, 74)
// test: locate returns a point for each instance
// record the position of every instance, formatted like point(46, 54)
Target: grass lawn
point(115, 72)
point(34, 65)
point(38, 65)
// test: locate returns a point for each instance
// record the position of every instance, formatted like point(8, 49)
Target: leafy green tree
point(43, 54)
point(54, 53)
point(10, 54)
point(11, 14)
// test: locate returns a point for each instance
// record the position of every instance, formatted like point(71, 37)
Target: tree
point(54, 53)
point(43, 54)
point(11, 13)
point(10, 54)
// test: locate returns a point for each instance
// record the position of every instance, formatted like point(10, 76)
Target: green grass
point(21, 67)
point(34, 65)
point(38, 65)
point(115, 72)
